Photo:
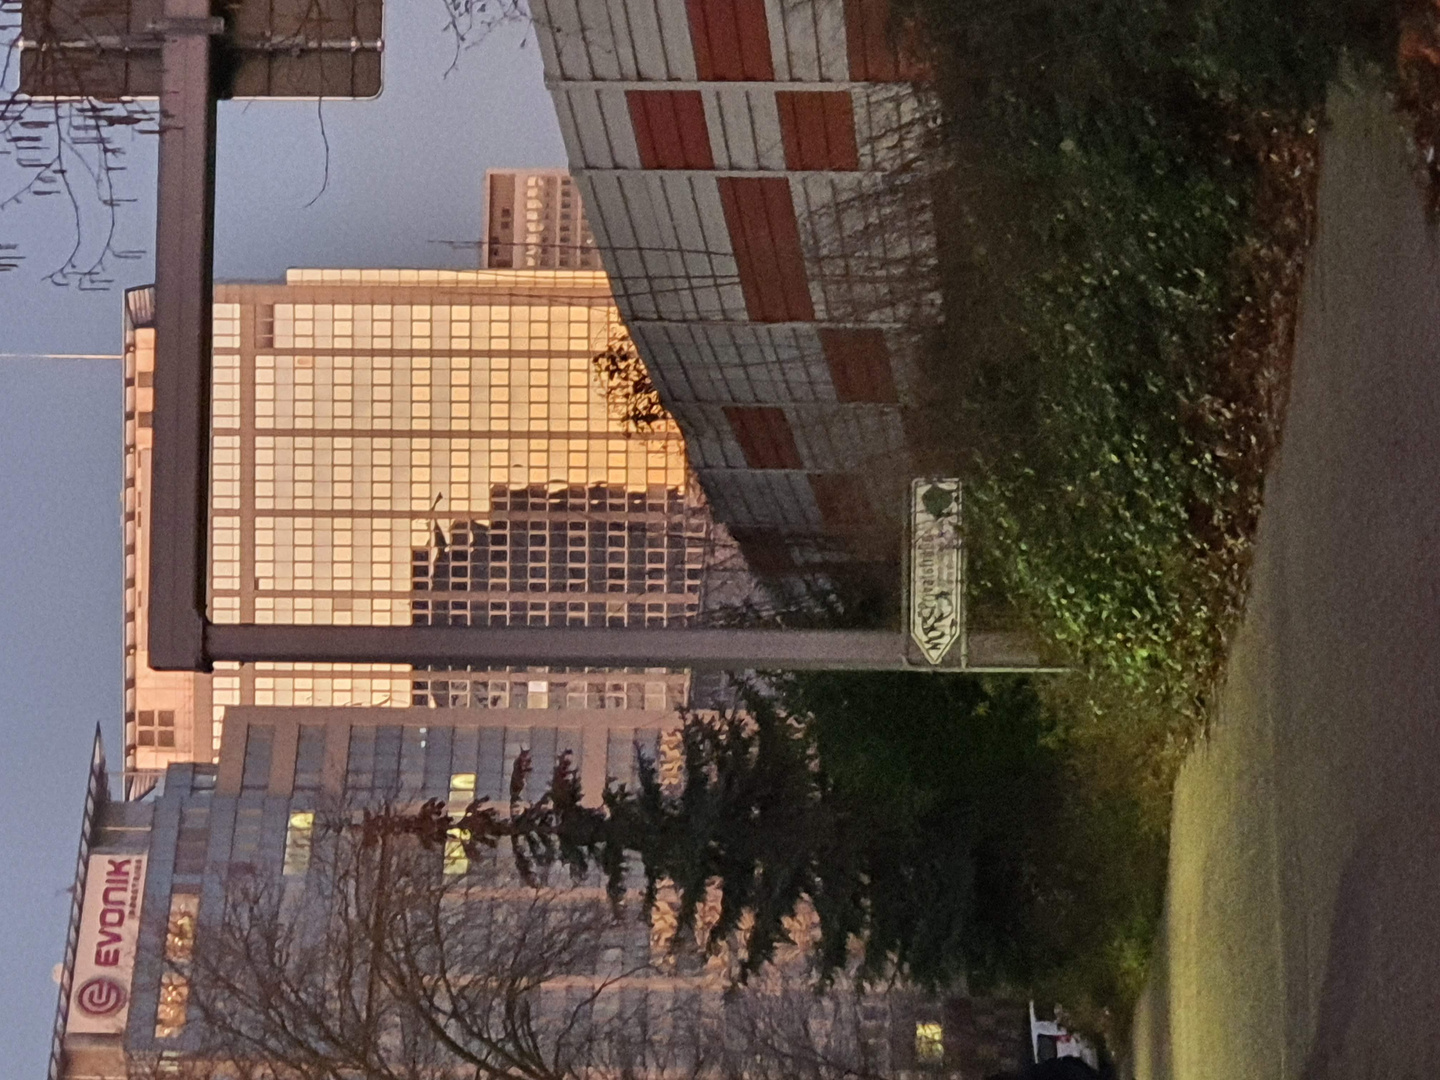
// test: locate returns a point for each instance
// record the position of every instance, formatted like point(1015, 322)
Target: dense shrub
point(1104, 165)
point(999, 849)
point(1125, 198)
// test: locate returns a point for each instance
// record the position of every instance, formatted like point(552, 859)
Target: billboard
point(105, 950)
point(110, 49)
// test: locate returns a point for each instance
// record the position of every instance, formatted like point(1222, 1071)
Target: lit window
point(297, 842)
point(170, 1010)
point(929, 1043)
point(456, 861)
point(175, 982)
point(180, 930)
point(462, 789)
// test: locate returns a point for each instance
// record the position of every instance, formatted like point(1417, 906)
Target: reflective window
point(259, 741)
point(309, 757)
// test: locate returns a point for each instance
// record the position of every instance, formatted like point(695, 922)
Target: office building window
point(245, 845)
point(491, 780)
point(310, 757)
point(373, 771)
point(175, 982)
point(202, 779)
point(456, 861)
point(155, 727)
point(224, 691)
point(622, 746)
point(225, 326)
point(170, 1009)
point(360, 765)
point(180, 930)
point(439, 744)
point(413, 744)
point(388, 741)
point(193, 842)
point(462, 790)
point(929, 1044)
point(298, 837)
point(259, 741)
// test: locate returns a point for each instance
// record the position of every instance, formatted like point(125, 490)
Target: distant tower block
point(534, 221)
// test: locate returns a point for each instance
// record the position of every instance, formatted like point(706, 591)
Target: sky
point(405, 178)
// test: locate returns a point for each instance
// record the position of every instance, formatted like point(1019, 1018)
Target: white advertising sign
point(937, 569)
point(105, 951)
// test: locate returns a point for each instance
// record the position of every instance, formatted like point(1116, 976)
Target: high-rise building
point(756, 177)
point(534, 220)
point(417, 447)
point(173, 889)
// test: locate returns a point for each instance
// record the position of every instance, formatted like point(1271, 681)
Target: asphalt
point(1302, 928)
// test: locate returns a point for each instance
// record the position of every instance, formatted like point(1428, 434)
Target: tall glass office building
point(397, 447)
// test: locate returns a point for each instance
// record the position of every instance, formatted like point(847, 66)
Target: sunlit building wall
point(420, 447)
point(168, 714)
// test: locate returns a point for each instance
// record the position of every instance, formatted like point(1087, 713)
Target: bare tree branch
point(66, 142)
point(379, 963)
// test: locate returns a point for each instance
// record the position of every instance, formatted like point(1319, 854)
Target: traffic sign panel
point(111, 49)
point(937, 569)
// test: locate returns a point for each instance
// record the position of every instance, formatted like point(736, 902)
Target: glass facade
point(418, 448)
point(365, 452)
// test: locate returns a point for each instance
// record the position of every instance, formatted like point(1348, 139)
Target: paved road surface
point(1303, 917)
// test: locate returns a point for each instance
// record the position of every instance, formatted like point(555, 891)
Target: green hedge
point(1100, 163)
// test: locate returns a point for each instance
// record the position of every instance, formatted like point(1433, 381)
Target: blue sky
point(406, 174)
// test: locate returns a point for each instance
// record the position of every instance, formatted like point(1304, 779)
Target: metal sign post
point(184, 232)
point(113, 49)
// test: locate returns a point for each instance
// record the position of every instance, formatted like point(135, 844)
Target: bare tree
point(406, 946)
point(385, 960)
point(78, 78)
point(70, 146)
point(630, 393)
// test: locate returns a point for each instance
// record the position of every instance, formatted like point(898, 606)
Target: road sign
point(937, 569)
point(111, 49)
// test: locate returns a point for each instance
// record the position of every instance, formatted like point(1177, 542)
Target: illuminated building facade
point(168, 714)
point(416, 447)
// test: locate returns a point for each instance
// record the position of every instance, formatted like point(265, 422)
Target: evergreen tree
point(871, 798)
